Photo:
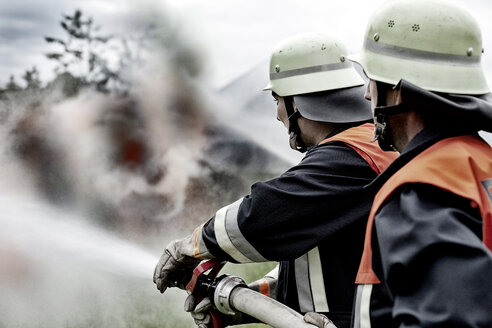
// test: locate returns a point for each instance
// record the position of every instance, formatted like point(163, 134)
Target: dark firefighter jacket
point(311, 219)
point(429, 236)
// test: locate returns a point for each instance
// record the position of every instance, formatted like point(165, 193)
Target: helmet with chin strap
point(310, 63)
point(311, 69)
point(432, 44)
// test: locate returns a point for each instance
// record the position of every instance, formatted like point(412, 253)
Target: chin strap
point(295, 140)
point(382, 131)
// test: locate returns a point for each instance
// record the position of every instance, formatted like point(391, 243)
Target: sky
point(232, 36)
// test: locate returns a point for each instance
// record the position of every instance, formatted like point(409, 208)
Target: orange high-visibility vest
point(358, 138)
point(460, 165)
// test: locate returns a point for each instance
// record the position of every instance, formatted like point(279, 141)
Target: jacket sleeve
point(428, 248)
point(283, 218)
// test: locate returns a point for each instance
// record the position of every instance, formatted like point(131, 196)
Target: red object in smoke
point(133, 152)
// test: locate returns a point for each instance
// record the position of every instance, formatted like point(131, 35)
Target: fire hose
point(230, 294)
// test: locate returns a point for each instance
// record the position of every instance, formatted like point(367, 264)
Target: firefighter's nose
point(367, 94)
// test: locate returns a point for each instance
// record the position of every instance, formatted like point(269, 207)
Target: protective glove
point(266, 285)
point(200, 312)
point(319, 320)
point(179, 255)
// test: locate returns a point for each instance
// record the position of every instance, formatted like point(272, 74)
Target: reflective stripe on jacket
point(227, 232)
point(311, 219)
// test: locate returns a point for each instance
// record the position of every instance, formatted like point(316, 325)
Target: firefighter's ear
point(294, 105)
point(398, 99)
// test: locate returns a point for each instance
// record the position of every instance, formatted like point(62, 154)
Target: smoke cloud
point(99, 183)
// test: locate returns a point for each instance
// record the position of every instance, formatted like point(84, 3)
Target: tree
point(83, 51)
point(12, 85)
point(32, 79)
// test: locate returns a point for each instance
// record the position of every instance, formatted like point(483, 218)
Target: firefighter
point(312, 217)
point(427, 255)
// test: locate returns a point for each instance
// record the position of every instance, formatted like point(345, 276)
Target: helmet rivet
point(342, 59)
point(277, 68)
point(469, 52)
point(376, 37)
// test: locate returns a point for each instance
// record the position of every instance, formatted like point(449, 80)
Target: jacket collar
point(423, 140)
point(460, 115)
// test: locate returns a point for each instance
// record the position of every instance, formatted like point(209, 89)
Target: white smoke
point(98, 182)
point(126, 159)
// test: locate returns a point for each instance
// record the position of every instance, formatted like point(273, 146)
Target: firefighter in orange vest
point(427, 255)
point(311, 218)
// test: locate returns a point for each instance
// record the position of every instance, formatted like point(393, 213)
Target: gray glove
point(201, 314)
point(319, 320)
point(267, 285)
point(178, 256)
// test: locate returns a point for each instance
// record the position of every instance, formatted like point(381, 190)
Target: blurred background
point(122, 127)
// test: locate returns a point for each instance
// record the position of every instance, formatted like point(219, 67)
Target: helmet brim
point(432, 76)
point(335, 106)
point(315, 82)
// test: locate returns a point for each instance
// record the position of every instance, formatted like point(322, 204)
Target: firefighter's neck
point(313, 132)
point(405, 126)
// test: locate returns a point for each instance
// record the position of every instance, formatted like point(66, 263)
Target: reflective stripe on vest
point(310, 282)
point(230, 238)
point(358, 138)
point(362, 308)
point(460, 165)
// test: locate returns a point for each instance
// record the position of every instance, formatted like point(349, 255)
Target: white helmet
point(326, 87)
